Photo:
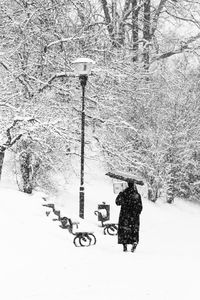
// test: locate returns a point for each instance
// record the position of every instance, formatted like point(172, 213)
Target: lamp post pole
point(83, 67)
point(83, 82)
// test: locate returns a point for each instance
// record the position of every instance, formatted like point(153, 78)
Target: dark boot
point(133, 247)
point(124, 247)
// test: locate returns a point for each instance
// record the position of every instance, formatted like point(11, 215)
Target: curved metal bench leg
point(112, 230)
point(105, 230)
point(76, 241)
point(93, 239)
point(84, 240)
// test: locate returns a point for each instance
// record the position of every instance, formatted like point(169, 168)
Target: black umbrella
point(125, 177)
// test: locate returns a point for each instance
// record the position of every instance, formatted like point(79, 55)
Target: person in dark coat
point(129, 217)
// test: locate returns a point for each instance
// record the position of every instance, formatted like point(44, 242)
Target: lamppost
point(83, 67)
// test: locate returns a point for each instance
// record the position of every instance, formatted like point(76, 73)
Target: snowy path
point(39, 261)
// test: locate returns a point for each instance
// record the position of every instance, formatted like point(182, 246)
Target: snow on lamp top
point(83, 66)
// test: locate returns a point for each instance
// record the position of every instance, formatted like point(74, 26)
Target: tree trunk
point(26, 171)
point(152, 194)
point(2, 154)
point(108, 21)
point(153, 189)
point(121, 35)
point(172, 174)
point(114, 16)
point(118, 29)
point(9, 143)
point(135, 29)
point(146, 33)
point(171, 187)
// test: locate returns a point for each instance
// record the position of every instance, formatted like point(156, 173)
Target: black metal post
point(83, 82)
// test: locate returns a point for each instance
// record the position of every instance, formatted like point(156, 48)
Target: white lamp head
point(83, 66)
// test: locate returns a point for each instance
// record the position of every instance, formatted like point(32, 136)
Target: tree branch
point(184, 45)
point(11, 141)
point(5, 67)
point(54, 77)
point(61, 41)
point(157, 15)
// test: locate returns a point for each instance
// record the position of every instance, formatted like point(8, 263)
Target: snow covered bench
point(109, 228)
point(82, 238)
point(56, 212)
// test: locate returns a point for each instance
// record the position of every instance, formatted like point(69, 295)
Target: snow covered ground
point(38, 260)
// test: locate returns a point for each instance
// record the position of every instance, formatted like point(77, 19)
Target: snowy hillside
point(40, 262)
